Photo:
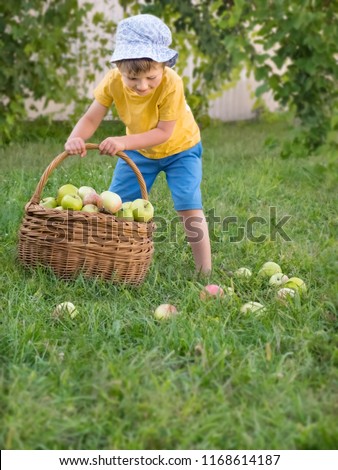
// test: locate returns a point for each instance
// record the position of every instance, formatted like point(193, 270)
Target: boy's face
point(144, 83)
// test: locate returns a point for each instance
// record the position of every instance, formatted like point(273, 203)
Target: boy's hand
point(112, 145)
point(76, 146)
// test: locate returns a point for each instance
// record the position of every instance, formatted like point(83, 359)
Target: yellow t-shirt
point(142, 113)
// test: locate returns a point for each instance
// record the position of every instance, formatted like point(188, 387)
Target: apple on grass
point(111, 201)
point(297, 284)
point(243, 272)
point(73, 202)
point(269, 269)
point(286, 295)
point(126, 212)
point(143, 210)
point(251, 307)
point(165, 311)
point(65, 190)
point(278, 279)
point(48, 202)
point(65, 308)
point(211, 291)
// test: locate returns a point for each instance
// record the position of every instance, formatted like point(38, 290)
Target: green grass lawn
point(211, 378)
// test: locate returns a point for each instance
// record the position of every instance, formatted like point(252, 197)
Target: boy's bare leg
point(197, 232)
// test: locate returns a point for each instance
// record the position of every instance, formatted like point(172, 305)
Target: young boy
point(161, 133)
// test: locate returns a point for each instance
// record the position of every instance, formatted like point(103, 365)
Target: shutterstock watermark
point(256, 228)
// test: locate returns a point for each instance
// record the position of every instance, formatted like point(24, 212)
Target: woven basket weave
point(94, 244)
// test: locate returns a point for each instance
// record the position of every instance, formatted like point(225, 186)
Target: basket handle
point(35, 199)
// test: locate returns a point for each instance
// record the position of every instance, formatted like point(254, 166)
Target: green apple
point(71, 201)
point(83, 190)
point(297, 284)
point(286, 294)
point(229, 291)
point(65, 190)
point(111, 201)
point(48, 202)
point(243, 272)
point(251, 307)
point(58, 208)
point(90, 208)
point(269, 269)
point(65, 308)
point(126, 211)
point(278, 279)
point(143, 210)
point(165, 311)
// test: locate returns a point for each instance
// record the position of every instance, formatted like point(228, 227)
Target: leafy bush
point(43, 48)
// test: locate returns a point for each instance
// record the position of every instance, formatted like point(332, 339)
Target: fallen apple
point(229, 291)
point(278, 279)
point(48, 202)
point(211, 291)
point(65, 308)
point(297, 284)
point(285, 294)
point(72, 202)
point(243, 272)
point(143, 210)
point(165, 311)
point(251, 307)
point(83, 190)
point(269, 269)
point(90, 208)
point(66, 189)
point(111, 201)
point(126, 211)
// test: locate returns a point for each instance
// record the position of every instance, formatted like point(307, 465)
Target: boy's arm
point(160, 134)
point(85, 128)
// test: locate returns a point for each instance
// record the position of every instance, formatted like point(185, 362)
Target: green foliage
point(295, 57)
point(298, 63)
point(42, 47)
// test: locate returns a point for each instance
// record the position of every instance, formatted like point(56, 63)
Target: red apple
point(93, 198)
point(211, 291)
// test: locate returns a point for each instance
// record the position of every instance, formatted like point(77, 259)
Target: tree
point(43, 45)
point(296, 60)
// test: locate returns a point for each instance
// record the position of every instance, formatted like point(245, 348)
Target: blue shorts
point(183, 173)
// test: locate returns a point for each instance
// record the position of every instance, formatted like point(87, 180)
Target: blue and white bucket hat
point(144, 36)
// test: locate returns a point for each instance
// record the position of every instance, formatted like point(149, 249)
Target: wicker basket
point(94, 244)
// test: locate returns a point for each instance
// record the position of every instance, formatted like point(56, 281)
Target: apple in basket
point(126, 212)
point(93, 198)
point(83, 190)
point(111, 201)
point(64, 191)
point(90, 208)
point(48, 202)
point(143, 210)
point(71, 201)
